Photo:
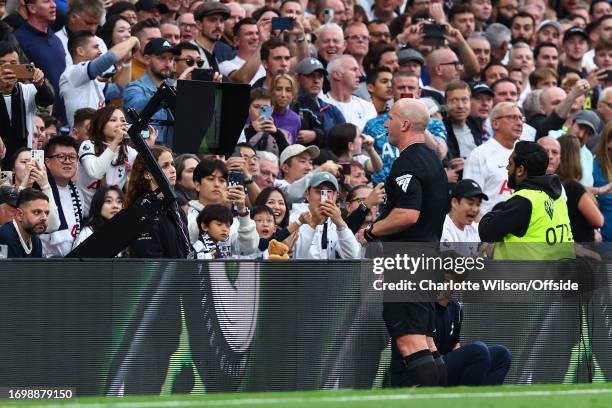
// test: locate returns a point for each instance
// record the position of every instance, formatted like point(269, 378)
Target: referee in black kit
point(414, 211)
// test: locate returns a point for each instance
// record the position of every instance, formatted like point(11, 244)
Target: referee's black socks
point(422, 369)
point(441, 365)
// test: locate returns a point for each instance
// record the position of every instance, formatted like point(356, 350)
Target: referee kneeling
point(414, 211)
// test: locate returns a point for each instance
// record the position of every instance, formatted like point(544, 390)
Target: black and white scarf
point(76, 204)
point(206, 245)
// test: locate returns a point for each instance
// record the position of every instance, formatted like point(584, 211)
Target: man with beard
point(318, 117)
point(533, 211)
point(504, 10)
point(210, 19)
point(522, 28)
point(159, 55)
point(21, 234)
point(486, 165)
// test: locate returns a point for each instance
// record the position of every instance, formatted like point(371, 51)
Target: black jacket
point(309, 110)
point(164, 239)
point(476, 127)
point(10, 237)
point(544, 124)
point(513, 216)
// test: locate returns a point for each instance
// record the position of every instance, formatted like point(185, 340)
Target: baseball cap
point(297, 149)
point(8, 195)
point(309, 65)
point(148, 5)
point(590, 119)
point(552, 23)
point(212, 8)
point(321, 177)
point(481, 87)
point(408, 54)
point(575, 31)
point(468, 188)
point(158, 46)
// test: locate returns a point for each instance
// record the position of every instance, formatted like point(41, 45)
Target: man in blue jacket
point(21, 234)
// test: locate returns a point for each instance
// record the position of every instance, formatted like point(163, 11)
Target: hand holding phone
point(328, 15)
point(346, 169)
point(203, 74)
point(6, 177)
point(22, 71)
point(282, 23)
point(38, 156)
point(235, 178)
point(265, 112)
point(327, 195)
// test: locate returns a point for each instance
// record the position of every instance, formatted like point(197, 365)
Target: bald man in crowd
point(414, 211)
point(553, 148)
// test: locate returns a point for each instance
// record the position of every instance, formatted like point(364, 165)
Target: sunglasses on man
point(190, 61)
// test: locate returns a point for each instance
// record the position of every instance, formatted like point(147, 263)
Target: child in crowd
point(214, 222)
point(265, 223)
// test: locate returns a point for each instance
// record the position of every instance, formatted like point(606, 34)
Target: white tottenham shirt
point(92, 168)
point(227, 67)
point(59, 243)
point(358, 111)
point(79, 91)
point(463, 241)
point(487, 166)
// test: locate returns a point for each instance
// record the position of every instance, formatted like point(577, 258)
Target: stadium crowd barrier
point(124, 326)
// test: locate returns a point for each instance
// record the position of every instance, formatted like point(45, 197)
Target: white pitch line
point(338, 399)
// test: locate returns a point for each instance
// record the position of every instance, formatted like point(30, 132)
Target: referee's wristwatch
point(368, 235)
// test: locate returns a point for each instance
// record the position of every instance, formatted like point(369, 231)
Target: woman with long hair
point(602, 175)
point(115, 29)
point(27, 173)
point(274, 198)
point(284, 92)
point(169, 237)
point(584, 215)
point(185, 164)
point(346, 141)
point(104, 159)
point(105, 204)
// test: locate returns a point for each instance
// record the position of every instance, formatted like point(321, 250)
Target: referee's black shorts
point(409, 318)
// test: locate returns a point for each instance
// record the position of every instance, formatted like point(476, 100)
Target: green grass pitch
point(541, 396)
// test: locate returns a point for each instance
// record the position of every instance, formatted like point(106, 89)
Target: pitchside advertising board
point(124, 327)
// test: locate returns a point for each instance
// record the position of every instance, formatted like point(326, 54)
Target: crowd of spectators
point(308, 171)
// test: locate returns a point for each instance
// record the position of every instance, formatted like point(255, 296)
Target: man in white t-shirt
point(460, 230)
point(487, 163)
point(344, 75)
point(246, 38)
point(78, 85)
point(505, 90)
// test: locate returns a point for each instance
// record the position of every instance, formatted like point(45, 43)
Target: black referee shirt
point(417, 181)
